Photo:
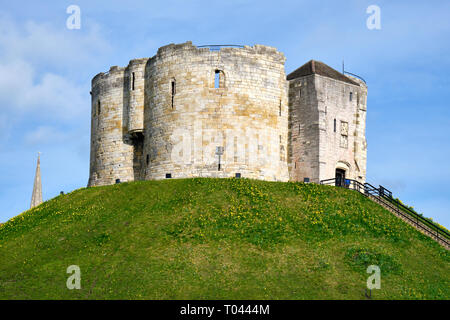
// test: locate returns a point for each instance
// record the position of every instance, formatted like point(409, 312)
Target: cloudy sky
point(46, 69)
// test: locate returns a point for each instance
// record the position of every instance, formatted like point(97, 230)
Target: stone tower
point(223, 112)
point(327, 123)
point(167, 116)
point(36, 197)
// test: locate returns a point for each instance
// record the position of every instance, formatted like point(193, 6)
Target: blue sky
point(46, 69)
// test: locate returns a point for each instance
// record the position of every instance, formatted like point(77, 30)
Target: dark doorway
point(137, 139)
point(340, 177)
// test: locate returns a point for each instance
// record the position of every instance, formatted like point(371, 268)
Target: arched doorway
point(340, 177)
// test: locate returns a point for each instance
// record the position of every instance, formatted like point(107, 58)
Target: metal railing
point(384, 196)
point(355, 75)
point(217, 47)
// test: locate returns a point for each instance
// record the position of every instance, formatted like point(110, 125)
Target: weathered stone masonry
point(327, 124)
point(166, 116)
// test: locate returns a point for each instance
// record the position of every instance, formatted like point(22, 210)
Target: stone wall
point(247, 115)
point(134, 94)
point(343, 147)
point(327, 128)
point(111, 149)
point(303, 129)
point(163, 116)
point(360, 142)
point(167, 116)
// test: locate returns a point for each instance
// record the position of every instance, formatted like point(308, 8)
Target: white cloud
point(45, 135)
point(40, 67)
point(54, 46)
point(51, 96)
point(44, 95)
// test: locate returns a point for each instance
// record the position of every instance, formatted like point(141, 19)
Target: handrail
point(412, 212)
point(355, 75)
point(217, 47)
point(384, 196)
point(383, 191)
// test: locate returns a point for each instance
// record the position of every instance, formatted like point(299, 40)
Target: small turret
point(135, 91)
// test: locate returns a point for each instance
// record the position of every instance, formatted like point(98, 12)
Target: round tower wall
point(111, 151)
point(187, 117)
point(134, 93)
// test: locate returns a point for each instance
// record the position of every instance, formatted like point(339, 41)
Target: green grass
point(217, 239)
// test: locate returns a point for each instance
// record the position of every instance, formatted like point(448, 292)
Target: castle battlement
point(224, 111)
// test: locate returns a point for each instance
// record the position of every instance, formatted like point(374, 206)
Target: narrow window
point(279, 111)
point(219, 152)
point(148, 159)
point(173, 88)
point(173, 91)
point(132, 81)
point(217, 79)
point(334, 125)
point(98, 107)
point(351, 94)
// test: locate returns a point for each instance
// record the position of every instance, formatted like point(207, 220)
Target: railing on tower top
point(217, 47)
point(384, 196)
point(355, 75)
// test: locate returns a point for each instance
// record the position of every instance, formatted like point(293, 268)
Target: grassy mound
point(217, 239)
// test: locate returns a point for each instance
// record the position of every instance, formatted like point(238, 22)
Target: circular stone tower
point(111, 148)
point(191, 112)
point(215, 113)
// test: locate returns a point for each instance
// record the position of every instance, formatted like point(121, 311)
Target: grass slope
point(217, 239)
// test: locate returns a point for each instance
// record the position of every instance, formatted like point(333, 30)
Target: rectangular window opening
point(351, 95)
point(173, 91)
point(217, 79)
point(132, 81)
point(334, 125)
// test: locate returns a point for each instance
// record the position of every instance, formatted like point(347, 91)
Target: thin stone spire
point(36, 198)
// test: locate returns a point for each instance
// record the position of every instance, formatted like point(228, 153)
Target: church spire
point(36, 198)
